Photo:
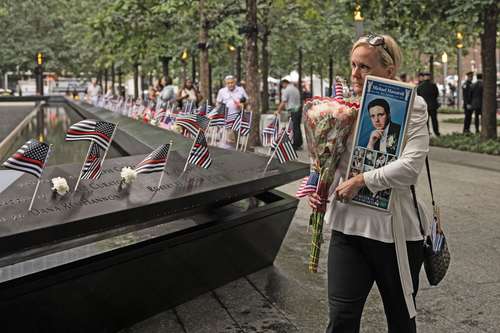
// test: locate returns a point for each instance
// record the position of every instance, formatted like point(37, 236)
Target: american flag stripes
point(289, 129)
point(99, 131)
point(270, 132)
point(284, 149)
point(237, 122)
point(216, 116)
point(245, 123)
point(230, 118)
point(92, 167)
point(199, 154)
point(154, 162)
point(30, 158)
point(192, 122)
point(309, 185)
point(339, 90)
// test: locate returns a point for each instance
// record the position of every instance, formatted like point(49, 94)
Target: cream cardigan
point(401, 223)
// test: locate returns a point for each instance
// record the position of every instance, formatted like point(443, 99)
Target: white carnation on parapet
point(128, 175)
point(60, 185)
point(177, 128)
point(153, 122)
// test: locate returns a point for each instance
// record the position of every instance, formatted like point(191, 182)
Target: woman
point(369, 245)
point(188, 94)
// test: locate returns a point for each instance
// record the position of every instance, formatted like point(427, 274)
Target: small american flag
point(237, 122)
point(160, 115)
point(339, 90)
point(270, 132)
point(92, 168)
point(192, 122)
point(199, 154)
point(245, 123)
point(309, 185)
point(205, 109)
point(230, 118)
point(217, 115)
point(284, 149)
point(154, 162)
point(30, 158)
point(99, 131)
point(289, 129)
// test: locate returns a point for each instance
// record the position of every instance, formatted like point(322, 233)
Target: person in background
point(429, 91)
point(233, 97)
point(477, 99)
point(167, 94)
point(290, 102)
point(152, 97)
point(94, 91)
point(467, 96)
point(188, 94)
point(403, 77)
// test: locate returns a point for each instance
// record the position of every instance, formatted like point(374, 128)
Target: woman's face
point(365, 61)
point(189, 84)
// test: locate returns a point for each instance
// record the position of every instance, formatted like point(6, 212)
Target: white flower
point(128, 175)
point(153, 122)
point(177, 128)
point(391, 140)
point(60, 185)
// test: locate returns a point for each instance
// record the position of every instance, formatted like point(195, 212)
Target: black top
point(477, 95)
point(429, 91)
point(466, 90)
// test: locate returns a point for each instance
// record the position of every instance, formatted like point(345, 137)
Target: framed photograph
point(380, 132)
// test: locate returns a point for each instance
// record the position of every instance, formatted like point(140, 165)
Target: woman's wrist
point(360, 181)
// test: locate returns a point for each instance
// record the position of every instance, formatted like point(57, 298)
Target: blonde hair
point(389, 53)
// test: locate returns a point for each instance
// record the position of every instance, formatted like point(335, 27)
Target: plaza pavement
point(286, 298)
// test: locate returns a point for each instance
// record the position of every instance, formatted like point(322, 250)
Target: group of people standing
point(473, 100)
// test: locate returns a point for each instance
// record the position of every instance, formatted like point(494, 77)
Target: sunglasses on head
point(377, 40)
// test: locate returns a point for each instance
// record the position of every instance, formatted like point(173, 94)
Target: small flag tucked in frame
point(30, 158)
point(309, 185)
point(199, 154)
point(99, 131)
point(92, 167)
point(154, 162)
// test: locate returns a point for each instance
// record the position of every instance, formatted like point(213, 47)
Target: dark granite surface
point(11, 114)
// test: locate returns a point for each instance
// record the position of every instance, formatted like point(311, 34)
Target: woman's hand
point(315, 200)
point(348, 189)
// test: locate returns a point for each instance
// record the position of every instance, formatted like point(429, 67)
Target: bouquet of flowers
point(328, 123)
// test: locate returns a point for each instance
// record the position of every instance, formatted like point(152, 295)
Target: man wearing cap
point(429, 91)
point(290, 102)
point(232, 96)
point(467, 95)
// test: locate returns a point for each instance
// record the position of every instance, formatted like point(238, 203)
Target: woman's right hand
point(314, 200)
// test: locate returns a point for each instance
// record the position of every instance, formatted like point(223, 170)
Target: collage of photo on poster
point(380, 131)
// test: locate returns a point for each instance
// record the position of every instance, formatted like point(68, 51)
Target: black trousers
point(434, 119)
point(297, 132)
point(354, 264)
point(468, 119)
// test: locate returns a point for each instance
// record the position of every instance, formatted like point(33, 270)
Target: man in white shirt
point(232, 96)
point(290, 102)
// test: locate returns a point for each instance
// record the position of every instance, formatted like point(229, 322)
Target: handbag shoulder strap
point(412, 188)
